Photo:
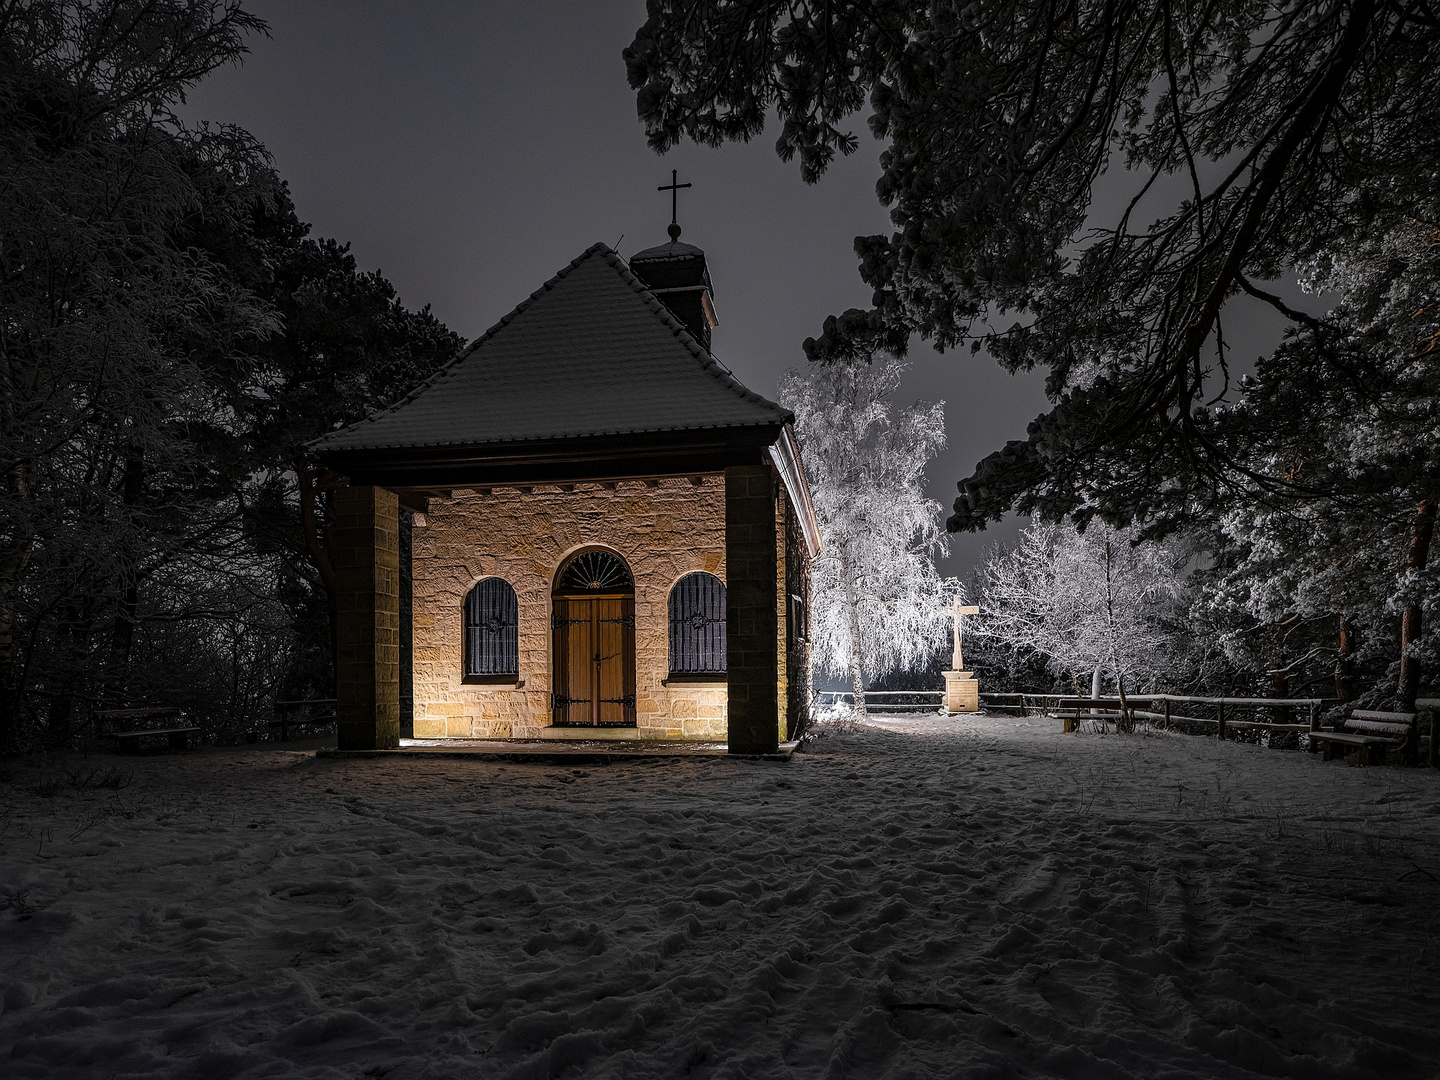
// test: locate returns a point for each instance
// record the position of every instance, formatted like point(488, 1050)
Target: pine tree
point(1347, 412)
point(170, 335)
point(1260, 136)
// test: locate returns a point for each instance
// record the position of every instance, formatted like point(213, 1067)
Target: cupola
point(676, 273)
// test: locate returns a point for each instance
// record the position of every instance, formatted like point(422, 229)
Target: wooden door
point(594, 656)
point(614, 661)
point(571, 650)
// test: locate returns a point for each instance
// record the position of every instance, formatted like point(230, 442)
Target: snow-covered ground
point(919, 898)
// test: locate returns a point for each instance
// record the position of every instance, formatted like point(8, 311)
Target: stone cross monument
point(962, 691)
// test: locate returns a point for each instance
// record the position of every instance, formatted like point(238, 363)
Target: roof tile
point(591, 352)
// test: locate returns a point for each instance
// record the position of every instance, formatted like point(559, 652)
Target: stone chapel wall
point(663, 529)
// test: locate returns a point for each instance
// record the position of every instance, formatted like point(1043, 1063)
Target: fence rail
point(1161, 707)
point(320, 712)
point(1019, 703)
point(836, 697)
point(1156, 707)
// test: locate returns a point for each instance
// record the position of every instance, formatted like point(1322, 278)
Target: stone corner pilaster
point(367, 617)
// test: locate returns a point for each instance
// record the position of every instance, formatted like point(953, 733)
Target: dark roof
point(672, 250)
point(591, 353)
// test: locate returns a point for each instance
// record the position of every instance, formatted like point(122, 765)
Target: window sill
point(699, 680)
point(499, 682)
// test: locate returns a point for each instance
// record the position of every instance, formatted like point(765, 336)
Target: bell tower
point(676, 273)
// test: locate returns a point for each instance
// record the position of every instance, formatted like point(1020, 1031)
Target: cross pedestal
point(962, 690)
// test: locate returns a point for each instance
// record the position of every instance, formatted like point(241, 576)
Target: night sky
point(471, 151)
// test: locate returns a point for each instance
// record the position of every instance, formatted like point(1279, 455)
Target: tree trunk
point(1126, 721)
point(312, 484)
point(1344, 665)
point(12, 568)
point(1280, 684)
point(857, 686)
point(122, 634)
point(1410, 623)
point(1123, 723)
point(71, 674)
point(14, 559)
point(1095, 687)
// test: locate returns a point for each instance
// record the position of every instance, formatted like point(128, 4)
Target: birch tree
point(878, 602)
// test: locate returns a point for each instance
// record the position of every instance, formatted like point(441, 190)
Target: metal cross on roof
point(674, 188)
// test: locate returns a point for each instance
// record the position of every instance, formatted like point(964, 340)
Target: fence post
point(1220, 719)
point(1167, 714)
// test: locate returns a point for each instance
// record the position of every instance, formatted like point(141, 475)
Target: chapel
point(611, 536)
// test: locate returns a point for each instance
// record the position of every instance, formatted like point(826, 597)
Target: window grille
point(595, 571)
point(492, 629)
point(697, 625)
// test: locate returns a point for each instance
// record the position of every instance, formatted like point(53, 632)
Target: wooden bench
point(1073, 710)
point(1371, 733)
point(128, 741)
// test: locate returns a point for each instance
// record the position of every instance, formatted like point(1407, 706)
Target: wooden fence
point(1226, 712)
point(1302, 715)
point(915, 700)
point(1022, 704)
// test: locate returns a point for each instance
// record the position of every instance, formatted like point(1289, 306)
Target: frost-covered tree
point(169, 337)
point(1087, 603)
point(878, 602)
point(1347, 411)
point(115, 325)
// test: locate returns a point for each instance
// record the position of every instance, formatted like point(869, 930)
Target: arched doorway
point(593, 642)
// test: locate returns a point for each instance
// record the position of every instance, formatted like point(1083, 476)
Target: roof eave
point(607, 457)
point(785, 454)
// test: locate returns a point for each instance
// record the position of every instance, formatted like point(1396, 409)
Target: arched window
point(492, 630)
point(697, 626)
